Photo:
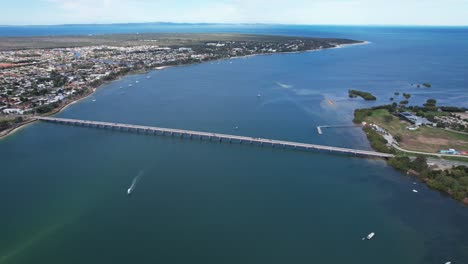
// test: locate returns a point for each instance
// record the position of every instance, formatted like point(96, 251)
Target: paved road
point(428, 153)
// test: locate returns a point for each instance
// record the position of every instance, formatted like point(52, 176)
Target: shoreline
point(11, 131)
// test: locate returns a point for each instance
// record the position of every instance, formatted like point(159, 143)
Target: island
point(41, 75)
point(419, 137)
point(364, 95)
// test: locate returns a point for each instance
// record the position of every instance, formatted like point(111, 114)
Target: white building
point(13, 111)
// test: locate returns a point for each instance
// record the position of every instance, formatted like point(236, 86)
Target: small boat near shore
point(415, 191)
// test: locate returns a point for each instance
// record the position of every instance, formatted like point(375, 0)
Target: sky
point(336, 12)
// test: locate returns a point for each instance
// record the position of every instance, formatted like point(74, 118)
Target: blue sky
point(346, 12)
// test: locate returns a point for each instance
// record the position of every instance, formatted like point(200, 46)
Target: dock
point(181, 133)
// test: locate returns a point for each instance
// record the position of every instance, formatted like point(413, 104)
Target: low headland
point(429, 142)
point(42, 75)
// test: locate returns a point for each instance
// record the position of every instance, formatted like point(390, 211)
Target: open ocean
point(63, 197)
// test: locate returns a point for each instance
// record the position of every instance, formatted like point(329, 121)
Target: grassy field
point(426, 139)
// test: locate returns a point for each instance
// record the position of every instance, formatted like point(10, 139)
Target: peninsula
point(419, 137)
point(41, 75)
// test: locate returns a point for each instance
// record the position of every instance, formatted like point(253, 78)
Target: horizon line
point(233, 23)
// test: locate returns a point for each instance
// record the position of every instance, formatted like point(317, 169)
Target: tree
point(407, 96)
point(398, 137)
point(430, 105)
point(400, 163)
point(4, 124)
point(419, 164)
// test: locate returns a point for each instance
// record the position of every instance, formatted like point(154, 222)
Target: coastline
point(30, 120)
point(340, 46)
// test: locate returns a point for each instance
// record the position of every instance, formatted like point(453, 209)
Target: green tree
point(419, 164)
point(398, 137)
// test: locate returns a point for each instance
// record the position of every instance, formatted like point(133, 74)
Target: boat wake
point(283, 85)
point(134, 182)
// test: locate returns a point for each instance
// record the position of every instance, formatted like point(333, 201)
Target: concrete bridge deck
point(213, 136)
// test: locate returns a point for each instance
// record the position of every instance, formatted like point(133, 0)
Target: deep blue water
point(63, 197)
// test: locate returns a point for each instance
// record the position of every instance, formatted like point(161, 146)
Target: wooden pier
point(213, 136)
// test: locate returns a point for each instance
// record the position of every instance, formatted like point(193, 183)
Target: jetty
point(181, 133)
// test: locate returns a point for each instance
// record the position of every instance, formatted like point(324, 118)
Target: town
point(40, 81)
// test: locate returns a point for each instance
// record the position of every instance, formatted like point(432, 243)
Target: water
point(64, 200)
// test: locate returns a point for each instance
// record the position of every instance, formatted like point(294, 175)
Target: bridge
point(212, 136)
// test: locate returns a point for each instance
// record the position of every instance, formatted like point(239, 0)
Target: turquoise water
point(63, 197)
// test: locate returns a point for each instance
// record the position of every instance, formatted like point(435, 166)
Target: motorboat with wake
point(369, 236)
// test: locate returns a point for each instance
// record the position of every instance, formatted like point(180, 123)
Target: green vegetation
point(388, 118)
point(404, 102)
point(430, 105)
point(6, 123)
point(406, 95)
point(426, 139)
point(47, 108)
point(451, 181)
point(360, 115)
point(377, 141)
point(58, 79)
point(364, 95)
point(453, 109)
point(192, 40)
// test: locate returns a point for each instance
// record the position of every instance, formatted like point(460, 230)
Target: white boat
point(137, 81)
point(259, 95)
point(148, 77)
point(129, 191)
point(130, 85)
point(370, 236)
point(415, 191)
point(94, 100)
